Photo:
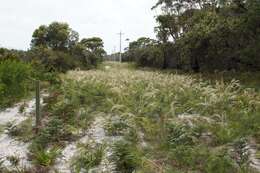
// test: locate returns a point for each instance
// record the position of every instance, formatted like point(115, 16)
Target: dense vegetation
point(55, 48)
point(202, 36)
point(13, 81)
point(174, 123)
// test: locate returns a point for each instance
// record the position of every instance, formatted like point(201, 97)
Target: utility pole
point(120, 46)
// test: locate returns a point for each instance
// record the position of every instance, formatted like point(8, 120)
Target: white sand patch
point(95, 135)
point(11, 147)
point(14, 116)
point(8, 145)
point(11, 115)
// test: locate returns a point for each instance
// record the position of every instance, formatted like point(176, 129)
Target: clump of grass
point(179, 135)
point(126, 157)
point(46, 158)
point(54, 133)
point(116, 126)
point(88, 157)
point(23, 131)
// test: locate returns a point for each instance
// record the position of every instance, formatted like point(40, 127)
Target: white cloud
point(103, 18)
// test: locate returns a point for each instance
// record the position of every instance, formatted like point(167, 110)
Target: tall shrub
point(13, 81)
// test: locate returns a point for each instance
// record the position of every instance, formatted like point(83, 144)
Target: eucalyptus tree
point(56, 36)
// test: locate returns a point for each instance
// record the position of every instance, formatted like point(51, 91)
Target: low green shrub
point(14, 81)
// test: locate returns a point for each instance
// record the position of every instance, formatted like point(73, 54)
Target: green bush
point(14, 81)
point(150, 56)
point(52, 61)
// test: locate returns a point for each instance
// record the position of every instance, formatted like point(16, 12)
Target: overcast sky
point(102, 18)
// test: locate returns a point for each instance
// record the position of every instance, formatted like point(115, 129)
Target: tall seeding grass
point(175, 123)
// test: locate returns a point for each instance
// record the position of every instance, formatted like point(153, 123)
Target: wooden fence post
point(37, 102)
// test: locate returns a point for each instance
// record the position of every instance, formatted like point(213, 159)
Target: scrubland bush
point(14, 81)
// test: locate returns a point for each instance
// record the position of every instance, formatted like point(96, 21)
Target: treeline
point(54, 49)
point(202, 35)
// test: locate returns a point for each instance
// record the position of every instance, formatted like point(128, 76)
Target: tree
point(202, 35)
point(168, 26)
point(94, 45)
point(56, 36)
point(145, 52)
point(142, 43)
